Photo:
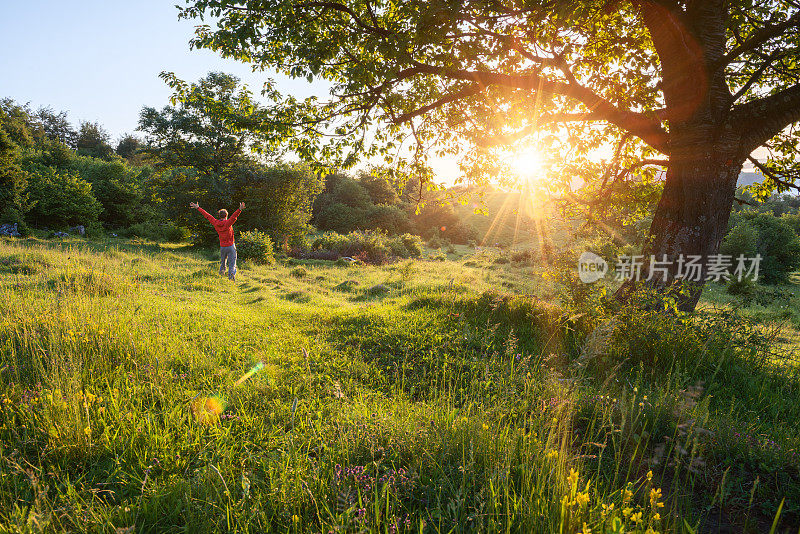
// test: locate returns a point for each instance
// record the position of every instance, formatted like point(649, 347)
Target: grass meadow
point(465, 393)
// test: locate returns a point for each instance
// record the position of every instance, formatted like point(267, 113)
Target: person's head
point(222, 214)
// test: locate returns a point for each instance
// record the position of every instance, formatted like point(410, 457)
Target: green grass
point(433, 396)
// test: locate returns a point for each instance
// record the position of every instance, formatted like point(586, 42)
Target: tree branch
point(507, 139)
point(760, 37)
point(643, 126)
point(353, 15)
point(771, 175)
point(764, 118)
point(774, 56)
point(470, 90)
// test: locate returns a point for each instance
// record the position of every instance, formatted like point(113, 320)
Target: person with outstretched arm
point(227, 245)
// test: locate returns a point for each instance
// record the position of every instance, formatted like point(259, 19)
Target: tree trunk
point(692, 215)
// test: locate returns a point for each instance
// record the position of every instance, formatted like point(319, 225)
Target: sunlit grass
point(439, 403)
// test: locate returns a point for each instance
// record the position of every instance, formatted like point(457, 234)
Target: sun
point(527, 165)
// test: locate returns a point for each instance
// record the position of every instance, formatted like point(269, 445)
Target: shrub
point(437, 242)
point(338, 217)
point(369, 247)
point(95, 230)
point(62, 198)
point(366, 246)
point(255, 246)
point(390, 219)
point(777, 243)
point(792, 220)
point(405, 246)
point(741, 240)
point(413, 244)
point(174, 233)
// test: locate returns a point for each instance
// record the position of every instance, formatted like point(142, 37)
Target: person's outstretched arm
point(232, 218)
point(204, 213)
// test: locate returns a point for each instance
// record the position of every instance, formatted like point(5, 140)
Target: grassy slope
point(426, 401)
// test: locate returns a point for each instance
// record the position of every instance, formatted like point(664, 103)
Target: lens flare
point(256, 368)
point(207, 410)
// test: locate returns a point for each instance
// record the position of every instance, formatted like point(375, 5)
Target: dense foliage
point(365, 246)
point(772, 237)
point(371, 201)
point(255, 246)
point(54, 177)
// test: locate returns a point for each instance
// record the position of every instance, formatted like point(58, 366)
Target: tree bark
point(692, 215)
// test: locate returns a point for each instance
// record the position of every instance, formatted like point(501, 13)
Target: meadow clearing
point(450, 393)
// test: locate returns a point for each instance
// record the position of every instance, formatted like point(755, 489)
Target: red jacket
point(224, 227)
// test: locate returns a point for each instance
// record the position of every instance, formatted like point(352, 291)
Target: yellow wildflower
point(650, 475)
point(656, 516)
point(87, 431)
point(582, 499)
point(655, 496)
point(627, 495)
point(586, 529)
point(637, 517)
point(626, 512)
point(572, 479)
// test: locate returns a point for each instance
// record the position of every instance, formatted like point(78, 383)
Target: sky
point(100, 60)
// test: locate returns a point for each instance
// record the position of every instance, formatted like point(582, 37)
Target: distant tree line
point(205, 147)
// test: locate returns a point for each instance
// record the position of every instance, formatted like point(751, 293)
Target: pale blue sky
point(99, 60)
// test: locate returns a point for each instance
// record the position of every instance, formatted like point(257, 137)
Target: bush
point(366, 246)
point(437, 242)
point(95, 230)
point(777, 243)
point(369, 247)
point(792, 220)
point(405, 246)
point(338, 217)
point(255, 246)
point(741, 240)
point(62, 198)
point(390, 219)
point(525, 255)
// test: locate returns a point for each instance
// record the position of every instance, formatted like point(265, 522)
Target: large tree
point(694, 86)
point(211, 125)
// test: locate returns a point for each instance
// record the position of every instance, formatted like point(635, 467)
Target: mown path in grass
point(424, 400)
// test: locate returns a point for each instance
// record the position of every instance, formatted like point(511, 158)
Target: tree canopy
point(210, 125)
point(690, 86)
point(494, 72)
